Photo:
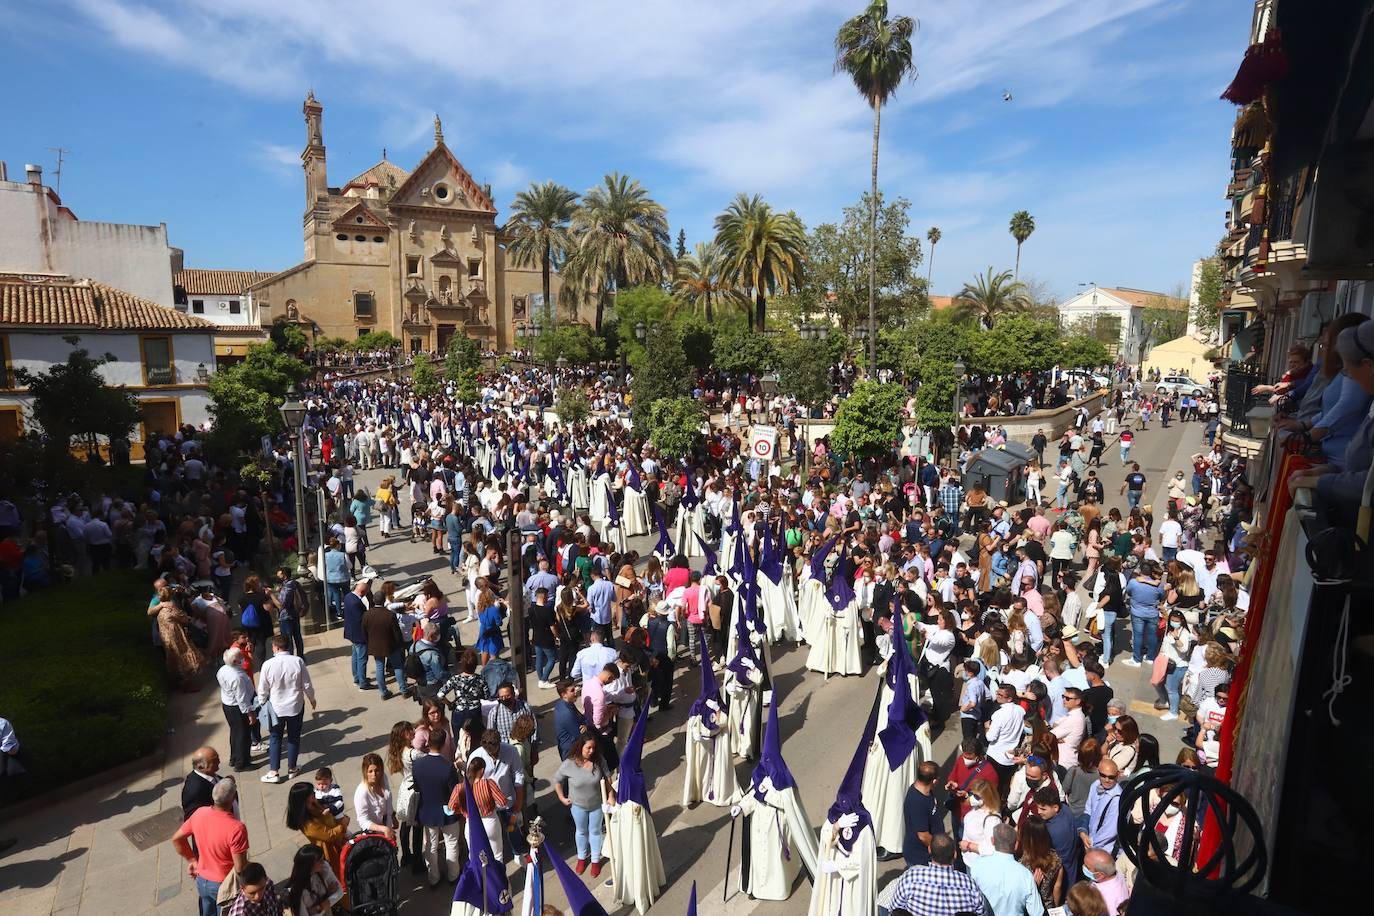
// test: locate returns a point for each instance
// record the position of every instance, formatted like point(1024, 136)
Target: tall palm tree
point(763, 250)
point(876, 53)
point(622, 240)
point(933, 237)
point(539, 232)
point(702, 281)
point(1022, 225)
point(990, 297)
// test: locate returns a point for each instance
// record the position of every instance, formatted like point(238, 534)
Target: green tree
point(375, 340)
point(990, 297)
point(572, 406)
point(245, 399)
point(576, 343)
point(465, 387)
point(288, 337)
point(876, 53)
point(698, 342)
point(1021, 226)
point(681, 251)
point(837, 268)
point(648, 305)
point(423, 377)
point(1016, 344)
point(1162, 319)
point(933, 237)
point(1082, 351)
point(941, 338)
point(740, 352)
point(935, 396)
point(622, 241)
point(463, 355)
point(804, 371)
point(764, 251)
point(869, 421)
point(661, 371)
point(1210, 285)
point(539, 232)
point(675, 425)
point(72, 402)
point(702, 282)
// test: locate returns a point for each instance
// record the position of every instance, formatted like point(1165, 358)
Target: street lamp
point(293, 417)
point(640, 331)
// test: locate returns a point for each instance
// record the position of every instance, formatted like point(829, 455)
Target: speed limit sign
point(762, 442)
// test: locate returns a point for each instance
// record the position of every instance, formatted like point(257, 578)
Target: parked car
point(1179, 384)
point(1088, 378)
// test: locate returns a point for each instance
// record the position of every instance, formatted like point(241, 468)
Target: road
point(74, 856)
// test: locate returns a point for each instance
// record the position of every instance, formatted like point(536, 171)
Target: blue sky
point(189, 113)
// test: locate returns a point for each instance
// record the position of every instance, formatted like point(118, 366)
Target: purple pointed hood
point(632, 478)
point(735, 528)
point(712, 564)
point(692, 901)
point(849, 797)
point(744, 648)
point(498, 467)
point(630, 784)
point(818, 559)
point(665, 547)
point(904, 714)
point(770, 556)
point(483, 870)
point(580, 900)
point(840, 594)
point(770, 762)
point(689, 494)
point(710, 690)
point(612, 510)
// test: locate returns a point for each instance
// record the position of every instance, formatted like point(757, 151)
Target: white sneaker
point(545, 685)
point(1168, 717)
point(1131, 663)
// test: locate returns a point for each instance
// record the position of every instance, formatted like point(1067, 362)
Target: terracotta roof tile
point(197, 281)
point(1139, 298)
point(62, 302)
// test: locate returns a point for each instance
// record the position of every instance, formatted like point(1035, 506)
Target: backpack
point(250, 619)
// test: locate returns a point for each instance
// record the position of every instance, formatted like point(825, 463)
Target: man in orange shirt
point(221, 844)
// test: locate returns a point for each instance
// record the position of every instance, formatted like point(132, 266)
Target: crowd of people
point(1002, 615)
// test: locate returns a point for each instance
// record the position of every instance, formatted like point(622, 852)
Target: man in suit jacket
point(195, 792)
point(435, 779)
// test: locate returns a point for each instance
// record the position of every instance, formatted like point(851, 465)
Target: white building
point(1117, 313)
point(222, 297)
point(164, 357)
point(39, 235)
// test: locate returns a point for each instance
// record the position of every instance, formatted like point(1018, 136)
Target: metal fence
point(1238, 400)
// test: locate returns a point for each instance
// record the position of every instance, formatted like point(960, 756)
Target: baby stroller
point(370, 875)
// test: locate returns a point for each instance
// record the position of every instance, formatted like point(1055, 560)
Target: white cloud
point(506, 175)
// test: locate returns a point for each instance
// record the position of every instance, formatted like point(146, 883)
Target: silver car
point(1179, 384)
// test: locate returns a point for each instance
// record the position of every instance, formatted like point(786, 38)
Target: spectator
point(435, 779)
point(372, 800)
point(1008, 886)
point(313, 888)
point(581, 784)
point(257, 894)
point(386, 646)
point(938, 889)
point(568, 722)
point(305, 813)
point(1036, 852)
point(355, 606)
point(1100, 866)
point(284, 684)
point(1100, 811)
point(221, 844)
point(921, 815)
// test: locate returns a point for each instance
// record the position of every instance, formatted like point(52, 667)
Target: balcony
point(1237, 399)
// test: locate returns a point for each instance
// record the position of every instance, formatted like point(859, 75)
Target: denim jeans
point(589, 834)
point(1173, 684)
point(1125, 454)
point(1133, 498)
point(1144, 638)
point(334, 596)
point(1061, 499)
point(545, 657)
point(290, 726)
point(291, 628)
point(360, 664)
point(1170, 554)
point(1108, 625)
point(396, 661)
point(455, 556)
point(208, 891)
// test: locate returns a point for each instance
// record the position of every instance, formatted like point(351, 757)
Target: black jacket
point(195, 793)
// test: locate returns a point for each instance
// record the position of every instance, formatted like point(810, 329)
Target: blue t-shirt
point(921, 813)
point(1144, 598)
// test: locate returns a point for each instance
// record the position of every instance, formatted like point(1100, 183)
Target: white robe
point(688, 526)
point(811, 607)
point(636, 864)
point(836, 646)
point(597, 498)
point(851, 890)
point(709, 773)
point(578, 490)
point(779, 609)
point(634, 513)
point(884, 790)
point(777, 819)
point(745, 702)
point(613, 536)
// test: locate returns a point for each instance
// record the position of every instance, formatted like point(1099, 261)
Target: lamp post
point(959, 371)
point(293, 416)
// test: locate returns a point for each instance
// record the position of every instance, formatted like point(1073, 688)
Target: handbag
point(407, 800)
point(1161, 669)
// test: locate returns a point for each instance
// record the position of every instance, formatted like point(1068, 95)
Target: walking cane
point(729, 853)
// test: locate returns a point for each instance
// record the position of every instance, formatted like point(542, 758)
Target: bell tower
point(312, 157)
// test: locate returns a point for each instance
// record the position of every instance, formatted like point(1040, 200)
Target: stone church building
point(416, 253)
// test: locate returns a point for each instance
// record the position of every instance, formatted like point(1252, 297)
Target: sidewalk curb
point(139, 766)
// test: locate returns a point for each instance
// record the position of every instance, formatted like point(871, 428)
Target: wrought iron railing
point(1240, 379)
point(1283, 203)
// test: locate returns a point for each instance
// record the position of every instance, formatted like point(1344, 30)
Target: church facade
point(418, 254)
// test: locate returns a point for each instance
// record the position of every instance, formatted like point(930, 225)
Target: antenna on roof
point(384, 154)
point(57, 172)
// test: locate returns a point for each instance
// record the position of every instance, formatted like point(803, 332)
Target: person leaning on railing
point(1340, 487)
point(1344, 403)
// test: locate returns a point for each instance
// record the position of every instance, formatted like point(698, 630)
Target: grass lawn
point(84, 687)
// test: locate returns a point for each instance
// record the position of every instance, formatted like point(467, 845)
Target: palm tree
point(989, 297)
point(933, 237)
point(622, 240)
point(702, 281)
point(538, 232)
point(763, 250)
point(1022, 225)
point(876, 53)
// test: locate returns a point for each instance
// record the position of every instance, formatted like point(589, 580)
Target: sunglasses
point(1106, 776)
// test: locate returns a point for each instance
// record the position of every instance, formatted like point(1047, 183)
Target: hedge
point(84, 687)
